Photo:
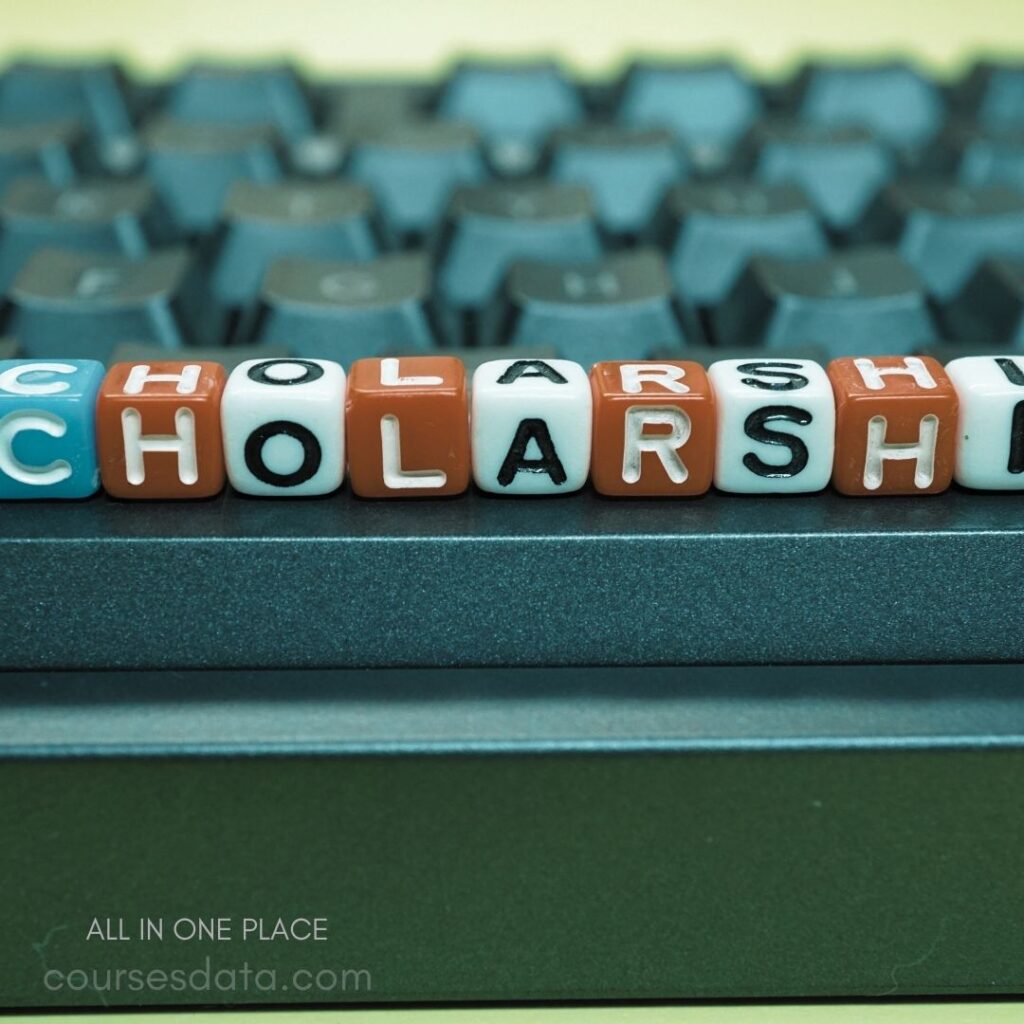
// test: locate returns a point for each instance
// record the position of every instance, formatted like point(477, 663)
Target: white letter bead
point(531, 426)
point(776, 421)
point(990, 438)
point(284, 427)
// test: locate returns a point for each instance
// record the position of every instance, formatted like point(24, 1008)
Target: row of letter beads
point(884, 425)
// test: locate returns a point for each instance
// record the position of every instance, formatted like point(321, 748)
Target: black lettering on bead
point(755, 427)
point(312, 454)
point(1011, 371)
point(258, 372)
point(531, 368)
point(788, 381)
point(516, 461)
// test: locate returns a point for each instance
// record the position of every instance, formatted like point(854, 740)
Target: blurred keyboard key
point(192, 166)
point(993, 93)
point(706, 105)
point(627, 170)
point(840, 168)
point(413, 168)
point(512, 105)
point(710, 231)
point(229, 357)
point(55, 149)
point(345, 311)
point(859, 302)
point(80, 305)
point(989, 310)
point(269, 95)
point(982, 157)
point(619, 308)
point(490, 226)
point(262, 222)
point(945, 231)
point(891, 99)
point(354, 108)
point(95, 216)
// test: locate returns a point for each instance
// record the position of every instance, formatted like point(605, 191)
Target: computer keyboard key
point(865, 301)
point(48, 428)
point(158, 430)
point(113, 216)
point(413, 168)
point(66, 304)
point(993, 94)
point(896, 425)
point(654, 429)
point(513, 105)
point(989, 309)
point(946, 230)
point(344, 311)
point(407, 422)
point(627, 170)
point(229, 356)
point(840, 168)
point(57, 150)
point(192, 165)
point(891, 99)
point(775, 426)
point(530, 426)
point(352, 108)
point(712, 229)
point(262, 222)
point(990, 436)
point(706, 105)
point(267, 95)
point(490, 226)
point(619, 308)
point(988, 158)
point(283, 423)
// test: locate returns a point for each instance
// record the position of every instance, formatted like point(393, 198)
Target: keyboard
point(556, 748)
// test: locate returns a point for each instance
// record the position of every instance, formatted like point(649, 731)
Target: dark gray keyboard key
point(989, 309)
point(513, 106)
point(945, 231)
point(490, 226)
point(413, 168)
point(353, 108)
point(840, 168)
point(344, 311)
point(859, 302)
point(710, 231)
point(263, 222)
point(95, 216)
point(80, 305)
point(626, 169)
point(194, 165)
point(619, 308)
point(993, 94)
point(891, 99)
point(982, 157)
point(707, 105)
point(229, 357)
point(55, 149)
point(269, 95)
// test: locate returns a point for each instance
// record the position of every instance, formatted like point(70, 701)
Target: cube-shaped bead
point(283, 425)
point(776, 425)
point(990, 439)
point(896, 425)
point(408, 427)
point(48, 428)
point(531, 426)
point(158, 430)
point(654, 429)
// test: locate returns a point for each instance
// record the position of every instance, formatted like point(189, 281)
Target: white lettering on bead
point(391, 451)
point(665, 446)
point(874, 376)
point(635, 375)
point(136, 444)
point(139, 376)
point(923, 450)
point(390, 376)
point(31, 419)
point(11, 380)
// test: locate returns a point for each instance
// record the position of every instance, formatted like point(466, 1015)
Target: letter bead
point(531, 426)
point(896, 425)
point(776, 426)
point(48, 428)
point(654, 429)
point(408, 427)
point(283, 422)
point(159, 431)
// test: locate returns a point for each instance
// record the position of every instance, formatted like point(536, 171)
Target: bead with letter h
point(158, 430)
point(896, 425)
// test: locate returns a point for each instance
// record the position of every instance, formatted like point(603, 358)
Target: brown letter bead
point(407, 423)
point(896, 423)
point(654, 429)
point(158, 430)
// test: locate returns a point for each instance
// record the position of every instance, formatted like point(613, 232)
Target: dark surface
point(236, 582)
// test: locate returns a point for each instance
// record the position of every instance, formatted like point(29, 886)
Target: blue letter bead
point(48, 428)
